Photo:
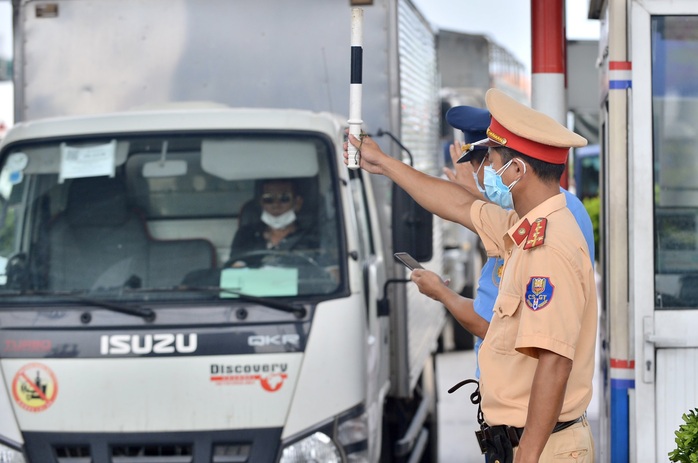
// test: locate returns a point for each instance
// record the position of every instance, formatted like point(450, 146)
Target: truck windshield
point(130, 218)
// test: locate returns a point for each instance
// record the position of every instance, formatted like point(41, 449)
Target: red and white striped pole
point(355, 86)
point(548, 59)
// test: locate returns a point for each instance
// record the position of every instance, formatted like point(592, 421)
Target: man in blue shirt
point(469, 173)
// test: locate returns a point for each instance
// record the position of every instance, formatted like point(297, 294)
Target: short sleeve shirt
point(547, 300)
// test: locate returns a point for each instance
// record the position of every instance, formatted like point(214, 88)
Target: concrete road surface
point(456, 415)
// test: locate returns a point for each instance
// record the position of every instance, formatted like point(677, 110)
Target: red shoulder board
point(522, 232)
point(536, 236)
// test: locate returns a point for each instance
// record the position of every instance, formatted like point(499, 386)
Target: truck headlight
point(10, 455)
point(318, 447)
point(342, 439)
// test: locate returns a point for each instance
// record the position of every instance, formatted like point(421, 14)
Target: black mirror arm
point(382, 132)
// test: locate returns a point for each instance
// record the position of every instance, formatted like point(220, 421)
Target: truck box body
point(127, 331)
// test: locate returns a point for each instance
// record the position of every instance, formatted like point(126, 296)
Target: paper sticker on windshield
point(16, 161)
point(266, 281)
point(34, 387)
point(87, 161)
point(13, 170)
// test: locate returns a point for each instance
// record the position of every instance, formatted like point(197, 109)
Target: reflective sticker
point(34, 387)
point(539, 292)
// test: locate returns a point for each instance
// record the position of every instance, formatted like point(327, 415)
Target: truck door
point(663, 179)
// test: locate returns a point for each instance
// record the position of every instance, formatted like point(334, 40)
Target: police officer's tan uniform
point(547, 300)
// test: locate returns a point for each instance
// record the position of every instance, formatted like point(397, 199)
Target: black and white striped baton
point(355, 121)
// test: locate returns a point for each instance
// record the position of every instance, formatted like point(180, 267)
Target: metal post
point(548, 55)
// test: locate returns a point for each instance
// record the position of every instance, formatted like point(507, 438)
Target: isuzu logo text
point(162, 343)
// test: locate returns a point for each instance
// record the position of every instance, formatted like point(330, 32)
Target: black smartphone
point(407, 260)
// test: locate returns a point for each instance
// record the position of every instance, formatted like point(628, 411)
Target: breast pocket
point(505, 324)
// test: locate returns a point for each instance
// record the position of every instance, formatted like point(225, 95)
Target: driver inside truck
point(271, 223)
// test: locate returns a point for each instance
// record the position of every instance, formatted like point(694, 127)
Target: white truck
point(144, 130)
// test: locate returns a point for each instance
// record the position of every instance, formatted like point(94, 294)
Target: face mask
point(495, 190)
point(277, 222)
point(480, 188)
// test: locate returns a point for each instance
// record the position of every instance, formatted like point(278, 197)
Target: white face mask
point(277, 222)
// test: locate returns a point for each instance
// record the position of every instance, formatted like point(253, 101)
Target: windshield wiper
point(149, 315)
point(143, 312)
point(299, 312)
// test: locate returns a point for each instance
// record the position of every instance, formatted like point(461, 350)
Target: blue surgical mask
point(495, 190)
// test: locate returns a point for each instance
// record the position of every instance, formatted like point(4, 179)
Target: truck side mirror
point(412, 226)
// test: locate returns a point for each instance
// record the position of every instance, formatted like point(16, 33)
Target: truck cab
point(127, 332)
point(130, 313)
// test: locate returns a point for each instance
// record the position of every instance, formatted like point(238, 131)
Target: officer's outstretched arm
point(446, 199)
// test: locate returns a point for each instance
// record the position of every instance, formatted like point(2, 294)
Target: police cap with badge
point(525, 130)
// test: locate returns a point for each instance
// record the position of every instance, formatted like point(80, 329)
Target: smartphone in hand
point(407, 260)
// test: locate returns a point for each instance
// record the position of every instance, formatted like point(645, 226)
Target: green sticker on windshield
point(268, 281)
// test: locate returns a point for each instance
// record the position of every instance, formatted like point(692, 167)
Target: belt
point(566, 424)
point(514, 434)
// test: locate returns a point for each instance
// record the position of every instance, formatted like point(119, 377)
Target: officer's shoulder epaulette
point(531, 234)
point(536, 233)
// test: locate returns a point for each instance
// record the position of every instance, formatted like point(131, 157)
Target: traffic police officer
point(537, 358)
point(473, 123)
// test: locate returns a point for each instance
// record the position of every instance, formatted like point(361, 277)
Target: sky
point(506, 22)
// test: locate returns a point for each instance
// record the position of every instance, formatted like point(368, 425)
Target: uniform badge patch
point(497, 272)
point(539, 292)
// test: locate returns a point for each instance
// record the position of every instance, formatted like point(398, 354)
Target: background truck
point(469, 65)
point(143, 131)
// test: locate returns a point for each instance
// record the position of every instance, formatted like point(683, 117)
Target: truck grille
point(151, 454)
point(244, 446)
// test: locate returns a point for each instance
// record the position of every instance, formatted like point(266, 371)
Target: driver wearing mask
point(277, 228)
